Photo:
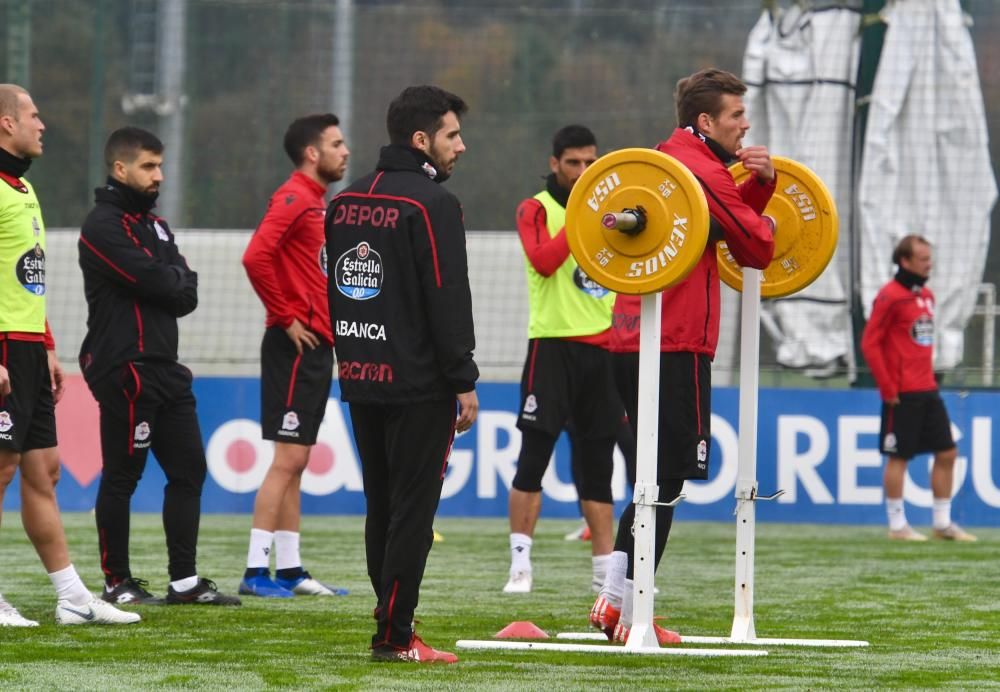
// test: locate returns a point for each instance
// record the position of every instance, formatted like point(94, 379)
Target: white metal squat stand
point(642, 637)
point(743, 631)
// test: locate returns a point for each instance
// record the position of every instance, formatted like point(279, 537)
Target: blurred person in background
point(898, 344)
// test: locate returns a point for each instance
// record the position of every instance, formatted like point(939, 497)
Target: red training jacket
point(690, 316)
point(898, 341)
point(286, 258)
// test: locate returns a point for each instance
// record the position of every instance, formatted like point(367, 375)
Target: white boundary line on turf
point(765, 641)
point(487, 645)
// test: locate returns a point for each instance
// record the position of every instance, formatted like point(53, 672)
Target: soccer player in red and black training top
point(137, 285)
point(711, 124)
point(286, 263)
point(31, 378)
point(898, 344)
point(399, 285)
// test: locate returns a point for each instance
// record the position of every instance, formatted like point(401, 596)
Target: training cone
point(522, 629)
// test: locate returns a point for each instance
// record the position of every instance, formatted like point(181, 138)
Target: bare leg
point(524, 508)
point(893, 477)
point(284, 475)
point(39, 509)
point(599, 516)
point(290, 514)
point(943, 474)
point(8, 467)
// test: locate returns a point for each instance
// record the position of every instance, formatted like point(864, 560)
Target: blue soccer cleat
point(261, 584)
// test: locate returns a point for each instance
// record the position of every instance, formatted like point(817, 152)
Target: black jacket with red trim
point(136, 282)
point(399, 285)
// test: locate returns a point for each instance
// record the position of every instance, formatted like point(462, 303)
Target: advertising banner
point(819, 446)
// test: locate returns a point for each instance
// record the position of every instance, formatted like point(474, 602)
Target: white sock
point(286, 549)
point(627, 595)
point(185, 584)
point(599, 566)
point(520, 552)
point(69, 587)
point(896, 513)
point(260, 548)
point(942, 514)
point(614, 581)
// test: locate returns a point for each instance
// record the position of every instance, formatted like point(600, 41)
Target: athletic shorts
point(918, 424)
point(568, 383)
point(684, 438)
point(28, 413)
point(294, 388)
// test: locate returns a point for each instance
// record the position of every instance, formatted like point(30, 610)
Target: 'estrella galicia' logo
point(588, 285)
point(31, 270)
point(358, 272)
point(322, 259)
point(922, 331)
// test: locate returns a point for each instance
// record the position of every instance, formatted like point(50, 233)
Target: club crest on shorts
point(358, 272)
point(702, 451)
point(889, 443)
point(6, 422)
point(290, 421)
point(530, 404)
point(141, 436)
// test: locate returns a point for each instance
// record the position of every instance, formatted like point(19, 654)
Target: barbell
point(637, 222)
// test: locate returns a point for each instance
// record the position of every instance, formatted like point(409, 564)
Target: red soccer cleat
point(418, 652)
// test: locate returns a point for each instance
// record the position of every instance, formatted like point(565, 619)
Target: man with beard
point(711, 121)
point(286, 263)
point(567, 381)
point(898, 343)
point(400, 297)
point(31, 378)
point(137, 284)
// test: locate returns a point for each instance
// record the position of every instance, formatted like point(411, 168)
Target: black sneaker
point(205, 593)
point(130, 592)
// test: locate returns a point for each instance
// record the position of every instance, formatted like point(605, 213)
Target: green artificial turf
point(931, 612)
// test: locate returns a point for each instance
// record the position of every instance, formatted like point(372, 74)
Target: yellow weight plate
point(675, 218)
point(806, 231)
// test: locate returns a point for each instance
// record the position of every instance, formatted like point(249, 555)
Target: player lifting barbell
point(712, 123)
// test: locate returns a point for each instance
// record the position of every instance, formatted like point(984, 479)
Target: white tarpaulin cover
point(800, 66)
point(926, 166)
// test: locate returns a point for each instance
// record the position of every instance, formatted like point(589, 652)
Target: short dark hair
point(572, 137)
point(305, 132)
point(420, 109)
point(125, 143)
point(702, 93)
point(904, 248)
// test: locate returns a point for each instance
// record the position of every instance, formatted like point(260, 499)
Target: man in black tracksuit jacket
point(137, 284)
point(402, 315)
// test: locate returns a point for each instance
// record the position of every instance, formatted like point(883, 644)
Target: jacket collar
point(724, 156)
point(12, 165)
point(125, 197)
point(395, 157)
point(314, 185)
point(558, 192)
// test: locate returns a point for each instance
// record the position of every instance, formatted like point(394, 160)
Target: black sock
point(290, 573)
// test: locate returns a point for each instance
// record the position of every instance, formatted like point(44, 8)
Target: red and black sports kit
point(137, 284)
point(399, 293)
point(898, 344)
point(689, 327)
point(286, 263)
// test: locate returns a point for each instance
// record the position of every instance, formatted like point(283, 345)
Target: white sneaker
point(519, 582)
point(312, 587)
point(96, 612)
point(577, 533)
point(9, 617)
